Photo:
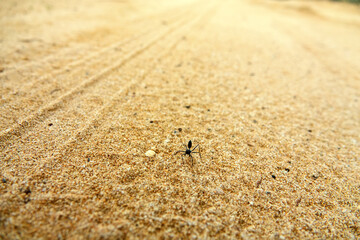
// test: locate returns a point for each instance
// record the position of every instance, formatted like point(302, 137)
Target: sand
point(270, 90)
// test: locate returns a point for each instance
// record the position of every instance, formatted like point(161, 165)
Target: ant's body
point(188, 151)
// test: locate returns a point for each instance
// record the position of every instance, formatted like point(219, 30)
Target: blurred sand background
point(269, 89)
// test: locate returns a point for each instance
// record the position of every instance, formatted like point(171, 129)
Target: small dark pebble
point(286, 169)
point(208, 110)
point(263, 108)
point(273, 176)
point(88, 160)
point(135, 114)
point(289, 162)
point(180, 129)
point(209, 129)
point(50, 124)
point(254, 121)
point(315, 177)
point(26, 200)
point(27, 190)
point(187, 106)
point(309, 130)
point(3, 180)
point(267, 192)
point(151, 121)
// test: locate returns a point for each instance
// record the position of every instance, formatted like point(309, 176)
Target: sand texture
point(97, 96)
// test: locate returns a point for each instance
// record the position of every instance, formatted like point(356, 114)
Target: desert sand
point(270, 90)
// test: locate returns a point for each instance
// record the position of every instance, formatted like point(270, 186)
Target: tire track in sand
point(47, 110)
point(48, 88)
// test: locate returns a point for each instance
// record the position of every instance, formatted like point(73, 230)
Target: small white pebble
point(219, 191)
point(150, 153)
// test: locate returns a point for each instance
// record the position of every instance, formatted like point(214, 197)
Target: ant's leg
point(178, 152)
point(195, 147)
point(198, 151)
point(192, 160)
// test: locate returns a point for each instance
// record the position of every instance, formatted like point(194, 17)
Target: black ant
point(188, 151)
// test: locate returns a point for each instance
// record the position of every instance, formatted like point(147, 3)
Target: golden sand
point(270, 90)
